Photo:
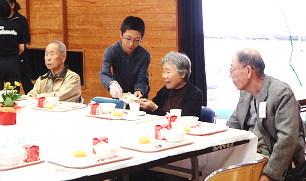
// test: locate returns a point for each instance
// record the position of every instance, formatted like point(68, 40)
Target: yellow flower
point(17, 83)
point(10, 95)
point(7, 84)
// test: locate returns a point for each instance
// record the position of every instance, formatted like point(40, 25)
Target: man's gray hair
point(181, 61)
point(256, 62)
point(62, 46)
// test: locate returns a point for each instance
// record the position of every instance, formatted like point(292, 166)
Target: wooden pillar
point(64, 19)
point(179, 25)
point(28, 15)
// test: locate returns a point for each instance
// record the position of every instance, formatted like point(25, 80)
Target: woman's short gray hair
point(61, 46)
point(181, 61)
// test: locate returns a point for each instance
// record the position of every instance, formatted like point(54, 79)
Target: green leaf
point(3, 96)
point(8, 102)
point(16, 97)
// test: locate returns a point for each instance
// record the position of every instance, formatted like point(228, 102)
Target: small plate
point(105, 116)
point(70, 105)
point(127, 98)
point(62, 107)
point(140, 113)
point(154, 145)
point(90, 160)
point(203, 129)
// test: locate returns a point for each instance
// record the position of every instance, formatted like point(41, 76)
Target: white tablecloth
point(58, 133)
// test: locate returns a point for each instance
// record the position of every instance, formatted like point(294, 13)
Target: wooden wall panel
point(94, 25)
point(23, 7)
point(45, 21)
point(89, 3)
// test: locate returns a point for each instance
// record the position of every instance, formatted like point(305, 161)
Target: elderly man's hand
point(265, 178)
point(148, 105)
point(115, 90)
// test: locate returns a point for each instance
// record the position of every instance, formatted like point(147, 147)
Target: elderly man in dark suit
point(268, 108)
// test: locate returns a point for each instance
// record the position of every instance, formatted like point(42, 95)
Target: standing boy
point(129, 61)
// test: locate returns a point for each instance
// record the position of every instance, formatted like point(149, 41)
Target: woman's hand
point(148, 105)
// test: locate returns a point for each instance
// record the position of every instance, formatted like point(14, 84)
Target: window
point(277, 29)
point(74, 61)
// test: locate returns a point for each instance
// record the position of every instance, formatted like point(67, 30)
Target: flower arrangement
point(9, 97)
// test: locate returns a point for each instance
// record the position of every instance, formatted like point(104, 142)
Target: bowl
point(177, 125)
point(174, 135)
point(106, 150)
point(51, 101)
point(188, 120)
point(107, 107)
point(9, 158)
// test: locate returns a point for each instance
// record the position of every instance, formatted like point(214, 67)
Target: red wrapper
point(94, 106)
point(159, 131)
point(40, 101)
point(30, 153)
point(98, 140)
point(170, 118)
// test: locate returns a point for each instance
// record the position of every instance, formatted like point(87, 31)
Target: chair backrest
point(303, 105)
point(119, 104)
point(224, 113)
point(250, 171)
point(207, 115)
point(81, 100)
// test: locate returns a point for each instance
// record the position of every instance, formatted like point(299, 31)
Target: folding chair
point(208, 115)
point(250, 171)
point(303, 105)
point(81, 100)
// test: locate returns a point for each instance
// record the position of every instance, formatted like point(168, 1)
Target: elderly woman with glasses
point(178, 93)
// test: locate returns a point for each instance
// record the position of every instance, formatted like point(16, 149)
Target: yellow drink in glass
point(117, 113)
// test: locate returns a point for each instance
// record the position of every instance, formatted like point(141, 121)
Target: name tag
point(262, 109)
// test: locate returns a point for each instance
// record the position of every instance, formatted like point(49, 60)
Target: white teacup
point(134, 108)
point(176, 112)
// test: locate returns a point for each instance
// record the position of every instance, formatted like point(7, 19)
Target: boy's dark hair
point(5, 9)
point(17, 6)
point(133, 23)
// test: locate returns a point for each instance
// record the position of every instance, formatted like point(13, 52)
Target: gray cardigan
point(282, 129)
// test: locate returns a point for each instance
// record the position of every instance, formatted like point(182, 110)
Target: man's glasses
point(232, 70)
point(133, 41)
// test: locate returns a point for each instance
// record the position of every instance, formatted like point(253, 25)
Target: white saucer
point(140, 113)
